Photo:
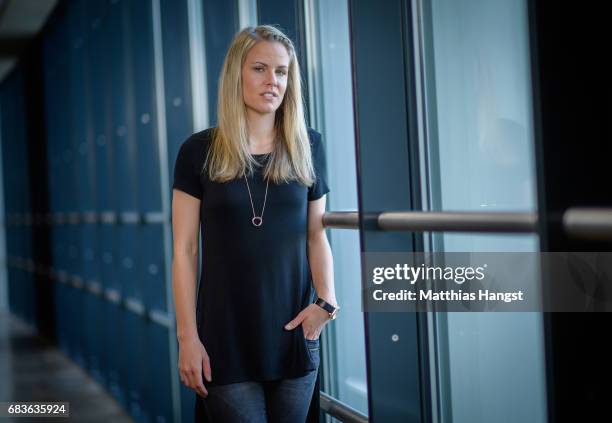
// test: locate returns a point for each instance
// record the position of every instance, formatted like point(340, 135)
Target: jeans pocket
point(312, 345)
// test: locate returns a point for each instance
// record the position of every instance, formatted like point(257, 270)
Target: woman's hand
point(312, 319)
point(192, 358)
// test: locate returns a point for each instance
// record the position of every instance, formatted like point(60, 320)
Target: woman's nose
point(272, 79)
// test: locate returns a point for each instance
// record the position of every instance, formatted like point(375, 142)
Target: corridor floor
point(33, 370)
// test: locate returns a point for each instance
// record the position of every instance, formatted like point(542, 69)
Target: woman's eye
point(283, 73)
point(258, 69)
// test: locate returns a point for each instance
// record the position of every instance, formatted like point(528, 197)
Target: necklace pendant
point(257, 221)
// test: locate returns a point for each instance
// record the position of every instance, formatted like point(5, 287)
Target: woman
point(257, 184)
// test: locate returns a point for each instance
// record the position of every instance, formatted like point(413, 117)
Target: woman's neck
point(261, 132)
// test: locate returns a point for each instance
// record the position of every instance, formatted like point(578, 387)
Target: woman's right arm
point(193, 357)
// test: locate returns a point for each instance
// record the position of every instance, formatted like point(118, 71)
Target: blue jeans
point(280, 401)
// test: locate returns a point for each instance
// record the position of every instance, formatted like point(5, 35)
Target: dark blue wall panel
point(16, 196)
point(220, 26)
point(141, 72)
point(177, 76)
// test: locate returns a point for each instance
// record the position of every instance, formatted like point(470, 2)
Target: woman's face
point(264, 77)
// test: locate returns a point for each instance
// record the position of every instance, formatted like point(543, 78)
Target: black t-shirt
point(254, 280)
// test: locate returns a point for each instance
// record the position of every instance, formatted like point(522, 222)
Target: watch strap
point(326, 306)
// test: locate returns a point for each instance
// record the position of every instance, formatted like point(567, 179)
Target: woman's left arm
point(313, 317)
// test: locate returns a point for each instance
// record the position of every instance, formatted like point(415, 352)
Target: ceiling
point(20, 20)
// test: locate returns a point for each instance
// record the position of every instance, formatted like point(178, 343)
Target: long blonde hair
point(229, 155)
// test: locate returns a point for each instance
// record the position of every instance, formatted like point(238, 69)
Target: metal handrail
point(439, 221)
point(578, 222)
point(341, 411)
point(588, 223)
point(341, 220)
point(458, 221)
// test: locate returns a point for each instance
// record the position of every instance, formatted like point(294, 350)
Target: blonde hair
point(229, 155)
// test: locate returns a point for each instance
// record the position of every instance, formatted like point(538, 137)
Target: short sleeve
point(320, 187)
point(188, 165)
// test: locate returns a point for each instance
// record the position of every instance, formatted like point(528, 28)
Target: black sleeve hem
point(186, 190)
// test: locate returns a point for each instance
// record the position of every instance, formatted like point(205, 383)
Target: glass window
point(331, 111)
point(481, 158)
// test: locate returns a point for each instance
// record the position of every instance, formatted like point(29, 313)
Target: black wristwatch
point(333, 311)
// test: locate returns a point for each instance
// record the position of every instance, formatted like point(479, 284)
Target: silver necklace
point(257, 220)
